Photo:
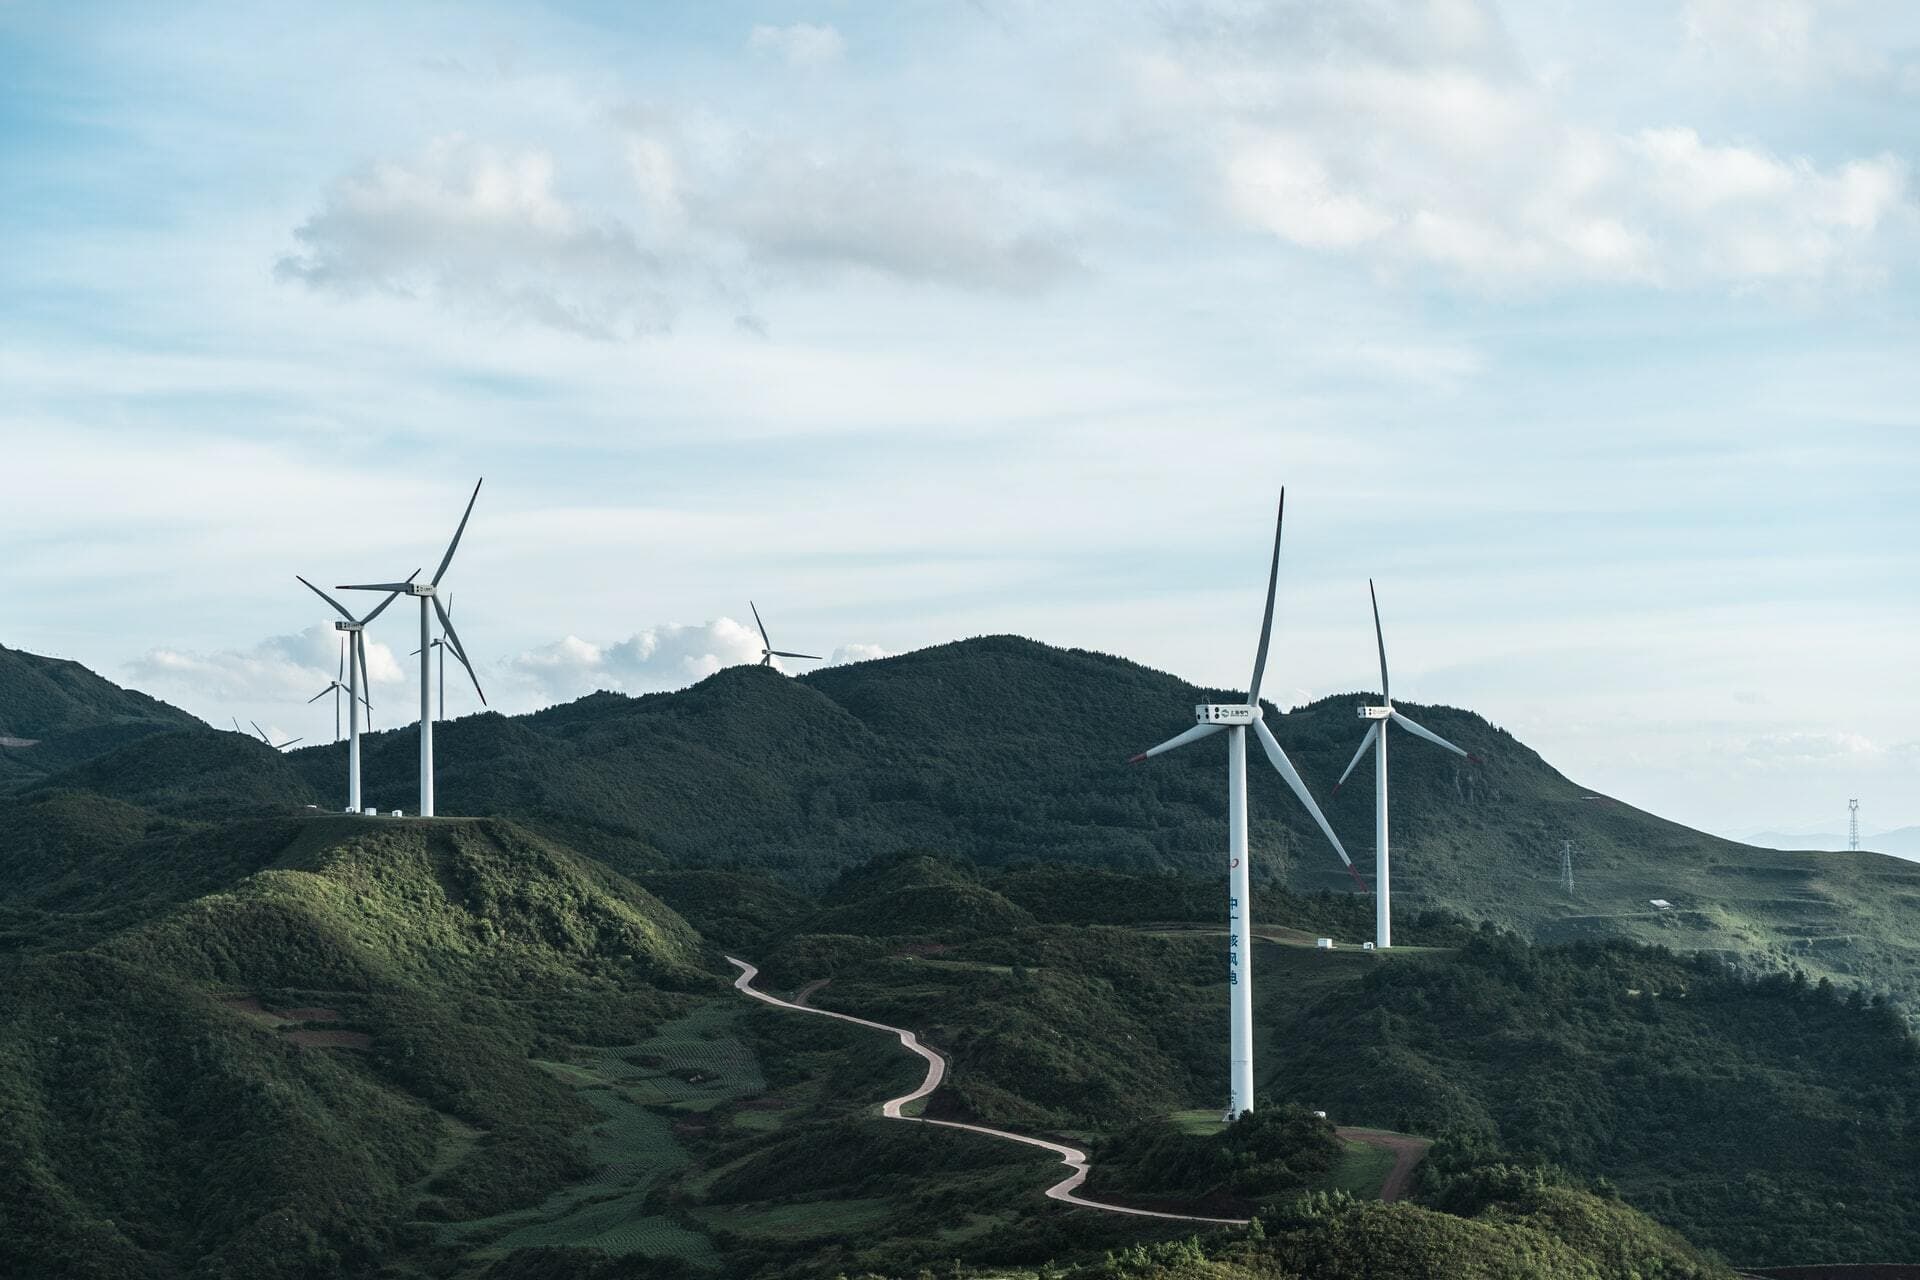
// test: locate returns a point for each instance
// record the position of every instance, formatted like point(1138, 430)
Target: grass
point(1362, 1170)
point(806, 1220)
point(1204, 1121)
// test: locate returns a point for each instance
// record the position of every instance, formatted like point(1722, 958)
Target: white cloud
point(668, 656)
point(1451, 156)
point(285, 668)
point(684, 210)
point(1798, 750)
point(1796, 42)
point(802, 44)
point(481, 229)
point(809, 206)
point(846, 653)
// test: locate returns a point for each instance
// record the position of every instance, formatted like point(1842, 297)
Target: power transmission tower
point(1566, 866)
point(1853, 825)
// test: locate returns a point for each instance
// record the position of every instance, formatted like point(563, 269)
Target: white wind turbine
point(261, 734)
point(355, 631)
point(428, 593)
point(767, 652)
point(336, 688)
point(1376, 737)
point(1236, 718)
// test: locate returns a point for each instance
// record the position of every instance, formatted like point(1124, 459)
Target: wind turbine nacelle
point(1225, 713)
point(1376, 713)
point(419, 588)
point(346, 626)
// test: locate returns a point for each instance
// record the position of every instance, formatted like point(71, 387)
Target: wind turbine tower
point(354, 630)
point(1376, 737)
point(1236, 718)
point(1853, 825)
point(1566, 866)
point(428, 594)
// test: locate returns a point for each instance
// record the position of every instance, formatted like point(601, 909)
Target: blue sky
point(1590, 338)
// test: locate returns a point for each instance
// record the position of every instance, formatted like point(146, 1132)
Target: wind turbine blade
point(289, 742)
point(1380, 640)
point(1292, 775)
point(1366, 741)
point(448, 558)
point(338, 607)
point(262, 732)
point(323, 693)
point(1420, 732)
point(382, 606)
point(341, 673)
point(782, 653)
point(372, 586)
point(236, 725)
point(453, 642)
point(366, 685)
point(765, 639)
point(1194, 734)
point(1266, 619)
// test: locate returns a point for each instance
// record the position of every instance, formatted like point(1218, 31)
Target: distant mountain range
point(1003, 750)
point(1901, 842)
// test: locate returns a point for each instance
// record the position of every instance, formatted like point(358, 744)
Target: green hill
point(1005, 751)
point(279, 1077)
point(55, 713)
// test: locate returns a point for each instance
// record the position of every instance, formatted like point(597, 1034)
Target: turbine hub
point(1228, 713)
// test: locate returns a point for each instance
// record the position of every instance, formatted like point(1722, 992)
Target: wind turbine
point(440, 644)
point(356, 634)
point(768, 653)
point(1236, 718)
point(428, 593)
point(262, 735)
point(336, 688)
point(1376, 737)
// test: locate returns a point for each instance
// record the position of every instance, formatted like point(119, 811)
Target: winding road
point(1074, 1159)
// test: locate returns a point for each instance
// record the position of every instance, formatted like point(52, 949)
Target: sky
point(1587, 332)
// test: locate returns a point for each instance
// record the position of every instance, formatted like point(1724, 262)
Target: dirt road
point(1408, 1152)
point(1075, 1160)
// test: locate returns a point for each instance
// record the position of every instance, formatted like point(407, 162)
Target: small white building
point(1323, 944)
point(1661, 904)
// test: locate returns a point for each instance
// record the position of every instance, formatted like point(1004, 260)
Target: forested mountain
point(54, 713)
point(244, 1036)
point(1002, 750)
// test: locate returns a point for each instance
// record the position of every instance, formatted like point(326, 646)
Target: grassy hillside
point(298, 1073)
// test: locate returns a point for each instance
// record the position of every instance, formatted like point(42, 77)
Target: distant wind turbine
point(262, 733)
point(440, 644)
point(1235, 718)
point(355, 631)
point(336, 688)
point(768, 653)
point(428, 593)
point(1376, 737)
